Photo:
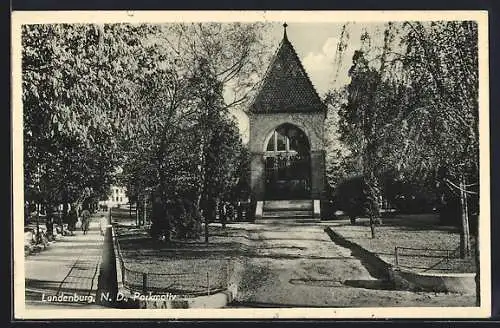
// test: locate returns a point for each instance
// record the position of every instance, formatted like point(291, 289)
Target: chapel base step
point(294, 210)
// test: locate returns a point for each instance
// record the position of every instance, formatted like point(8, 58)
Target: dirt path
point(299, 266)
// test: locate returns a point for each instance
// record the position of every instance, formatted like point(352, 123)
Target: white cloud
point(320, 65)
point(320, 49)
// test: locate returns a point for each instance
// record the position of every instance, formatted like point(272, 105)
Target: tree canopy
point(411, 107)
point(145, 106)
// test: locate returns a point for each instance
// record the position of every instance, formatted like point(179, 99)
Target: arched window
point(287, 163)
point(278, 142)
point(288, 138)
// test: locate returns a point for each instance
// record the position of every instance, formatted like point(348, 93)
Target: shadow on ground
point(375, 268)
point(370, 284)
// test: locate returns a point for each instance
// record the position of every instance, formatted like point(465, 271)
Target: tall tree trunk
point(372, 221)
point(144, 205)
point(206, 229)
point(370, 195)
point(64, 216)
point(38, 209)
point(137, 218)
point(372, 226)
point(201, 168)
point(162, 190)
point(163, 212)
point(206, 211)
point(464, 231)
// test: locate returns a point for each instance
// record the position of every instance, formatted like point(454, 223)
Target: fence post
point(396, 256)
point(144, 282)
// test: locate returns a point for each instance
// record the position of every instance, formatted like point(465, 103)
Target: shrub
point(179, 218)
point(353, 197)
point(187, 225)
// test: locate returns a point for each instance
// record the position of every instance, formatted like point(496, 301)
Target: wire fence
point(430, 259)
point(207, 281)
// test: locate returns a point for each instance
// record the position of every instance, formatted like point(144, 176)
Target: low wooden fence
point(180, 282)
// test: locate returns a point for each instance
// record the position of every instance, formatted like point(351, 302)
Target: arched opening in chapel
point(287, 159)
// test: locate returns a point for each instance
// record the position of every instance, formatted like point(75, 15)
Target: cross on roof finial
point(284, 30)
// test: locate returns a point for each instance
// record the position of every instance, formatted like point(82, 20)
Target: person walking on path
point(85, 221)
point(72, 219)
point(50, 223)
point(103, 223)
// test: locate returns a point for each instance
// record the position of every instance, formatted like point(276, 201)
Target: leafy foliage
point(144, 98)
point(68, 116)
point(412, 106)
point(183, 143)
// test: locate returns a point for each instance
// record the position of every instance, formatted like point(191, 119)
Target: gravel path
point(299, 266)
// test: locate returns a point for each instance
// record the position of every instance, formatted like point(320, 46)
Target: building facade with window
point(118, 197)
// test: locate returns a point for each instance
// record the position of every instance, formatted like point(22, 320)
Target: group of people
point(50, 225)
point(72, 219)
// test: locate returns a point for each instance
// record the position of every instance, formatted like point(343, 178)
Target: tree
point(445, 55)
point(225, 159)
point(339, 159)
point(70, 104)
point(436, 125)
point(179, 110)
point(360, 127)
point(413, 107)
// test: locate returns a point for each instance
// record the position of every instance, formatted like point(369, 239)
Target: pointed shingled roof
point(286, 86)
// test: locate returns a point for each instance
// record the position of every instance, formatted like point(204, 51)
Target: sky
point(316, 44)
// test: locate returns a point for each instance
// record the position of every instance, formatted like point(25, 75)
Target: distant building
point(117, 198)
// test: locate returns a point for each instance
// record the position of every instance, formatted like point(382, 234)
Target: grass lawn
point(413, 231)
point(182, 267)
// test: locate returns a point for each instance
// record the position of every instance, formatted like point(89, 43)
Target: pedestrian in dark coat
point(72, 219)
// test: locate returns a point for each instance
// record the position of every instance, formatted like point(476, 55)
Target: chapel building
point(286, 122)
